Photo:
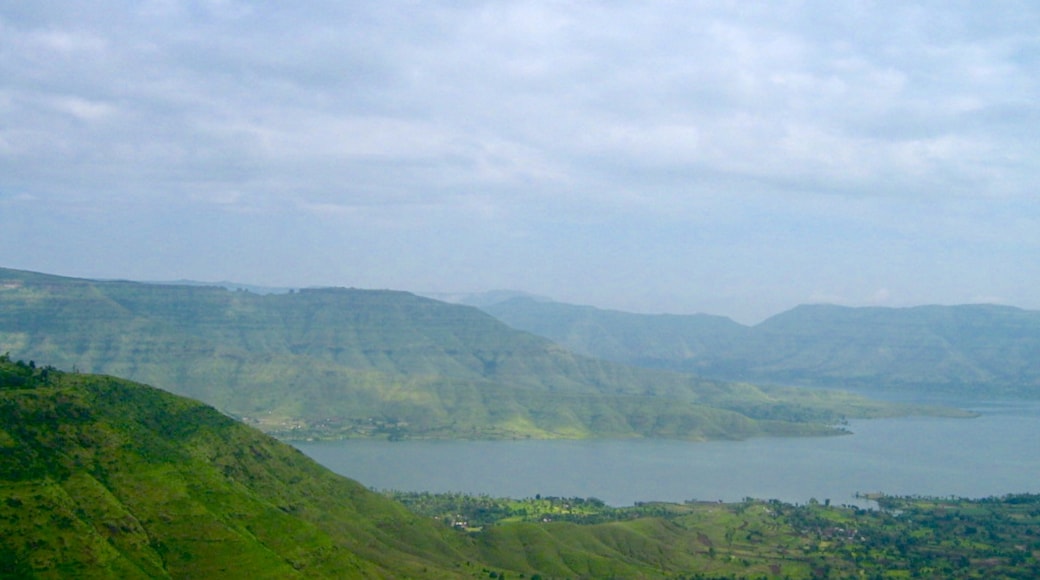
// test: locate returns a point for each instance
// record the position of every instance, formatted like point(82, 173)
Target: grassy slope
point(910, 538)
point(341, 362)
point(100, 477)
point(979, 349)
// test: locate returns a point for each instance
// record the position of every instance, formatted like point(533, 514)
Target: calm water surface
point(994, 454)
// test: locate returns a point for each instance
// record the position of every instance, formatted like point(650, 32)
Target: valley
point(545, 290)
point(104, 478)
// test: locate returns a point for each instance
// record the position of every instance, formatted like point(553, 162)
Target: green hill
point(972, 349)
point(346, 362)
point(103, 478)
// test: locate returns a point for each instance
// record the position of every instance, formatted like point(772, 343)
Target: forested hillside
point(346, 362)
point(104, 478)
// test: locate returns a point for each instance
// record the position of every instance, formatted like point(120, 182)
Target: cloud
point(604, 92)
point(780, 128)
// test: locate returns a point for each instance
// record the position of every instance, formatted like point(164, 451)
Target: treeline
point(24, 375)
point(475, 512)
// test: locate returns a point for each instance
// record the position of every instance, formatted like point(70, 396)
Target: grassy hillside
point(907, 538)
point(973, 349)
point(103, 478)
point(343, 362)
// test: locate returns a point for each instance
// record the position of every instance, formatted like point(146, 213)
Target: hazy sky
point(735, 158)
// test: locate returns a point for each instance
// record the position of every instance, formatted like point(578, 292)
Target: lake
point(994, 454)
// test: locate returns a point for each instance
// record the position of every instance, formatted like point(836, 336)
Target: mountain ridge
point(965, 349)
point(346, 362)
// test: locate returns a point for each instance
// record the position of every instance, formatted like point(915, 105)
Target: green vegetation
point(104, 478)
point(907, 538)
point(333, 363)
point(979, 350)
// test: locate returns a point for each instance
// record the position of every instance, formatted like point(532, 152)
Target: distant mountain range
point(984, 350)
point(345, 362)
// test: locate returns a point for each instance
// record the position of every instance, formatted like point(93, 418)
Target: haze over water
point(995, 454)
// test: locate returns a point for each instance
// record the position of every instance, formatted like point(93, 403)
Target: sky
point(734, 158)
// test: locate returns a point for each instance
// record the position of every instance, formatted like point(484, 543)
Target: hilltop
point(346, 362)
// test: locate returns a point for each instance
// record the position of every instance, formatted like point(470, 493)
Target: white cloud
point(80, 108)
point(793, 128)
point(46, 44)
